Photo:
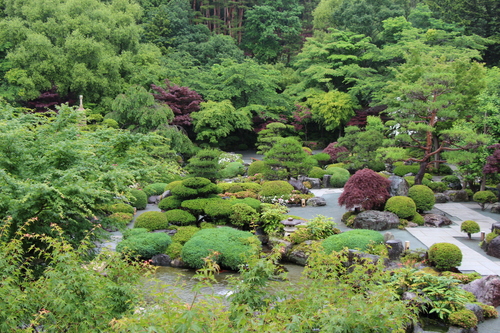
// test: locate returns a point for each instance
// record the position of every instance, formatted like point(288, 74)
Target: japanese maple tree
point(366, 189)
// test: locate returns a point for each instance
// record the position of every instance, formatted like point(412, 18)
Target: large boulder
point(395, 248)
point(456, 195)
point(441, 198)
point(376, 220)
point(299, 254)
point(435, 220)
point(478, 311)
point(161, 260)
point(495, 208)
point(493, 248)
point(316, 201)
point(486, 290)
point(326, 180)
point(399, 186)
point(299, 186)
point(315, 182)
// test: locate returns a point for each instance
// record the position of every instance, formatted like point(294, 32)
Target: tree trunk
point(420, 173)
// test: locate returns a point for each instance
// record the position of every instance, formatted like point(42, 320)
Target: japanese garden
point(332, 163)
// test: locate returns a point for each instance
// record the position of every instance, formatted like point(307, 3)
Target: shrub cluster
point(233, 169)
point(143, 245)
point(422, 196)
point(239, 187)
point(152, 221)
point(445, 256)
point(402, 170)
point(243, 215)
point(276, 188)
point(403, 207)
point(340, 176)
point(463, 318)
point(155, 189)
point(120, 219)
point(139, 199)
point(121, 208)
point(179, 217)
point(169, 203)
point(316, 172)
point(359, 239)
point(257, 167)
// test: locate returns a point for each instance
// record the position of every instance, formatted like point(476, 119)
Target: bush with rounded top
point(322, 158)
point(195, 187)
point(365, 190)
point(169, 203)
point(232, 247)
point(155, 189)
point(484, 197)
point(218, 210)
point(133, 232)
point(334, 151)
point(316, 172)
point(463, 318)
point(254, 203)
point(339, 176)
point(243, 215)
point(359, 239)
point(257, 167)
point(229, 187)
point(184, 234)
point(437, 187)
point(445, 256)
point(120, 218)
point(233, 169)
point(196, 206)
point(174, 250)
point(180, 217)
point(469, 227)
point(121, 208)
point(139, 199)
point(402, 170)
point(152, 221)
point(173, 184)
point(276, 188)
point(403, 207)
point(422, 196)
point(144, 245)
point(418, 219)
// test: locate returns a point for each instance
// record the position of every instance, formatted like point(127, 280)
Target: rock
point(486, 290)
point(161, 260)
point(455, 186)
point(493, 248)
point(315, 182)
point(388, 236)
point(435, 220)
point(456, 195)
point(395, 248)
point(326, 180)
point(376, 220)
point(316, 201)
point(456, 329)
point(154, 199)
point(399, 186)
point(495, 226)
point(169, 232)
point(178, 263)
point(412, 225)
point(165, 194)
point(495, 208)
point(299, 254)
point(287, 246)
point(478, 311)
point(299, 186)
point(441, 198)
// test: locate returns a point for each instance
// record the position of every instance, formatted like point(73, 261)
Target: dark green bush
point(445, 256)
point(445, 170)
point(243, 215)
point(418, 219)
point(450, 179)
point(121, 208)
point(231, 187)
point(463, 318)
point(257, 167)
point(232, 170)
point(169, 203)
point(316, 172)
point(423, 197)
point(233, 247)
point(359, 239)
point(219, 210)
point(152, 221)
point(184, 234)
point(139, 199)
point(276, 188)
point(120, 218)
point(133, 232)
point(155, 189)
point(180, 217)
point(195, 187)
point(403, 207)
point(144, 245)
point(437, 187)
point(174, 250)
point(402, 170)
point(339, 177)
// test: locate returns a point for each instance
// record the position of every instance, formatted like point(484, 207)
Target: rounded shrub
point(257, 167)
point(403, 207)
point(179, 217)
point(254, 203)
point(340, 176)
point(218, 210)
point(437, 187)
point(144, 245)
point(139, 199)
point(402, 170)
point(155, 189)
point(121, 208)
point(445, 256)
point(359, 239)
point(120, 218)
point(171, 185)
point(322, 158)
point(184, 234)
point(195, 206)
point(463, 318)
point(301, 234)
point(422, 196)
point(169, 203)
point(207, 225)
point(195, 187)
point(316, 172)
point(233, 169)
point(469, 227)
point(232, 247)
point(418, 219)
point(276, 188)
point(242, 215)
point(133, 232)
point(484, 197)
point(152, 221)
point(174, 250)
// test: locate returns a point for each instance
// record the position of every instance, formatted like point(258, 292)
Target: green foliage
point(195, 187)
point(120, 208)
point(490, 236)
point(231, 187)
point(254, 203)
point(219, 210)
point(120, 218)
point(463, 318)
point(144, 245)
point(139, 199)
point(179, 217)
point(271, 217)
point(301, 234)
point(287, 159)
point(155, 189)
point(316, 172)
point(169, 203)
point(196, 206)
point(205, 164)
point(422, 196)
point(359, 239)
point(152, 220)
point(231, 247)
point(418, 219)
point(268, 137)
point(207, 225)
point(488, 311)
point(257, 167)
point(174, 250)
point(445, 256)
point(133, 232)
point(232, 170)
point(402, 170)
point(469, 227)
point(437, 187)
point(332, 108)
point(340, 176)
point(173, 184)
point(184, 234)
point(243, 215)
point(275, 188)
point(403, 207)
point(484, 197)
point(321, 227)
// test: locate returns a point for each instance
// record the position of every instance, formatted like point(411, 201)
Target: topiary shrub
point(184, 234)
point(139, 199)
point(144, 245)
point(152, 221)
point(402, 170)
point(232, 247)
point(120, 219)
point(276, 188)
point(174, 250)
point(121, 208)
point(169, 203)
point(469, 227)
point(254, 203)
point(316, 172)
point(422, 196)
point(445, 256)
point(359, 239)
point(437, 187)
point(180, 217)
point(463, 318)
point(257, 167)
point(195, 187)
point(232, 170)
point(418, 219)
point(339, 176)
point(243, 215)
point(403, 207)
point(484, 197)
point(365, 190)
point(218, 210)
point(322, 158)
point(155, 189)
point(173, 184)
point(196, 206)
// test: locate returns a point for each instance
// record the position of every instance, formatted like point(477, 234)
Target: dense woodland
point(166, 83)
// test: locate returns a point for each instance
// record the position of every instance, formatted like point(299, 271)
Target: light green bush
point(169, 203)
point(152, 221)
point(155, 189)
point(359, 239)
point(276, 188)
point(121, 208)
point(402, 170)
point(184, 234)
point(316, 172)
point(139, 199)
point(403, 207)
point(423, 197)
point(144, 245)
point(179, 217)
point(257, 167)
point(340, 176)
point(445, 256)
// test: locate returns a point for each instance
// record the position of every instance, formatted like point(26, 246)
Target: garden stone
point(456, 329)
point(326, 180)
point(455, 186)
point(495, 208)
point(178, 263)
point(441, 198)
point(299, 186)
point(315, 182)
point(388, 236)
point(376, 220)
point(493, 248)
point(395, 248)
point(399, 186)
point(494, 226)
point(299, 254)
point(486, 290)
point(456, 195)
point(287, 246)
point(169, 232)
point(165, 194)
point(154, 199)
point(478, 311)
point(161, 260)
point(435, 220)
point(316, 202)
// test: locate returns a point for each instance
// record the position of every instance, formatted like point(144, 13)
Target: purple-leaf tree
point(493, 161)
point(365, 190)
point(334, 151)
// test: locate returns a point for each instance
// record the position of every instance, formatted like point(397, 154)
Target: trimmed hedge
point(195, 187)
point(403, 207)
point(233, 247)
point(219, 210)
point(151, 221)
point(196, 206)
point(445, 256)
point(139, 200)
point(423, 197)
point(169, 203)
point(179, 217)
point(121, 208)
point(184, 234)
point(316, 172)
point(257, 167)
point(252, 187)
point(155, 189)
point(402, 170)
point(359, 239)
point(276, 188)
point(339, 177)
point(144, 245)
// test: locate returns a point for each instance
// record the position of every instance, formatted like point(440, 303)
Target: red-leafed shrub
point(493, 161)
point(334, 150)
point(366, 189)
